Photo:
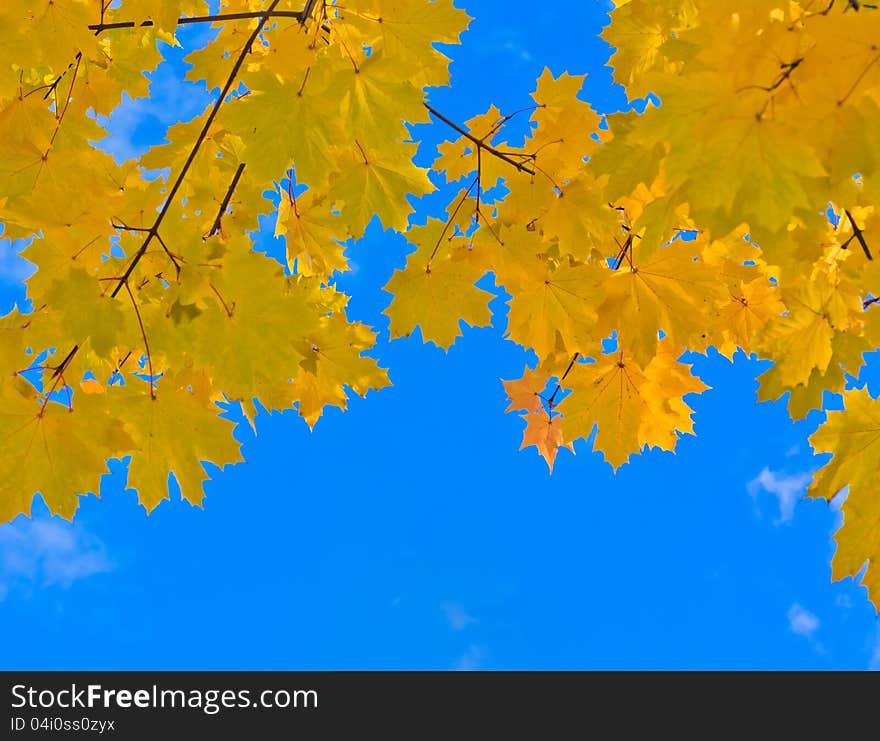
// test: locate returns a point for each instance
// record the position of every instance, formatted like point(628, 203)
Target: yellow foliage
point(128, 354)
point(701, 222)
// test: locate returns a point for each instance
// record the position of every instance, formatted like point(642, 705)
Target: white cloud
point(137, 124)
point(509, 42)
point(457, 617)
point(801, 621)
point(47, 550)
point(787, 489)
point(518, 50)
point(470, 660)
point(874, 663)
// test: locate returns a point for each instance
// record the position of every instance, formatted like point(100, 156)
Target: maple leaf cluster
point(150, 305)
point(739, 213)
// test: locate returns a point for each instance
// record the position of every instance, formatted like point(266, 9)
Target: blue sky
point(409, 532)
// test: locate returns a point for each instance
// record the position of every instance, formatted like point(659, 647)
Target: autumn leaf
point(436, 288)
point(309, 228)
point(629, 406)
point(525, 393)
point(53, 450)
point(182, 402)
point(852, 436)
point(545, 433)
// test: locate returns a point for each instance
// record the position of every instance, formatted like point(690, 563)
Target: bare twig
point(225, 203)
point(551, 402)
point(264, 15)
point(479, 143)
point(857, 234)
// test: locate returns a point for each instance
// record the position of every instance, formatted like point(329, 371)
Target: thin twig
point(449, 223)
point(227, 307)
point(62, 366)
point(551, 401)
point(51, 87)
point(624, 252)
point(67, 100)
point(56, 378)
point(171, 256)
point(264, 15)
point(504, 119)
point(479, 143)
point(857, 234)
point(192, 155)
point(225, 203)
point(859, 78)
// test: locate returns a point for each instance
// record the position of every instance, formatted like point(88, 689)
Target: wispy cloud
point(787, 488)
point(47, 550)
point(456, 616)
point(508, 41)
point(470, 660)
point(874, 663)
point(137, 124)
point(801, 621)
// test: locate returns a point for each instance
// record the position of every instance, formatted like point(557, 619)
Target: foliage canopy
point(738, 211)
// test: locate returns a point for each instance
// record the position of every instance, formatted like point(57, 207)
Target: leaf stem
point(137, 312)
point(449, 223)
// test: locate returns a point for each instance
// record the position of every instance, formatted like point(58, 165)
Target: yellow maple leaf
point(53, 450)
point(750, 308)
point(374, 181)
point(436, 289)
point(174, 431)
point(639, 31)
point(553, 305)
point(852, 435)
point(525, 393)
point(545, 433)
point(405, 30)
point(310, 230)
point(333, 358)
point(673, 291)
point(802, 338)
point(629, 406)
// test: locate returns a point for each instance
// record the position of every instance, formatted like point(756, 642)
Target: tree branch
point(245, 50)
point(264, 15)
point(52, 87)
point(449, 223)
point(551, 401)
point(62, 366)
point(624, 252)
point(478, 142)
point(857, 234)
point(225, 203)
